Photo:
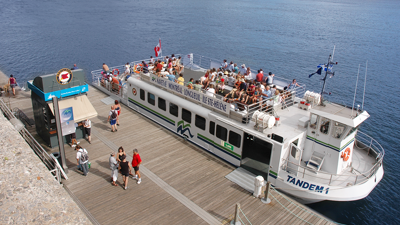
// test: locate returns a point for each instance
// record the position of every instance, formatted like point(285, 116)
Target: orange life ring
point(135, 68)
point(113, 72)
point(345, 154)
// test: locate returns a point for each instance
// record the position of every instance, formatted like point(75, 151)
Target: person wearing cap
point(243, 69)
point(114, 168)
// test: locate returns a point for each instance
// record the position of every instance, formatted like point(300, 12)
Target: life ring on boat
point(345, 154)
point(135, 68)
point(113, 72)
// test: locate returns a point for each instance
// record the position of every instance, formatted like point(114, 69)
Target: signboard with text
point(215, 103)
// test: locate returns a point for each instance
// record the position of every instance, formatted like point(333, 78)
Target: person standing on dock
point(117, 108)
point(13, 83)
point(125, 170)
point(88, 128)
point(136, 161)
point(82, 159)
point(114, 168)
point(112, 118)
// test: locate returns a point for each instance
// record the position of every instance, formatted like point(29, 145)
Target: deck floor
point(181, 184)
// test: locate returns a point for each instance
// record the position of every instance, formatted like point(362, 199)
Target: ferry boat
point(305, 146)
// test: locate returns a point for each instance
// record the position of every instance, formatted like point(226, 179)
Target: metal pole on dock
point(59, 134)
point(266, 200)
point(236, 220)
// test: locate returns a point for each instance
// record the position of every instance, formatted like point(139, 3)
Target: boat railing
point(364, 142)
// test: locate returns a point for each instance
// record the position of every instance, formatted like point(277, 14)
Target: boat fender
point(115, 74)
point(346, 154)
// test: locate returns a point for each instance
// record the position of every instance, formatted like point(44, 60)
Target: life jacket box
point(303, 122)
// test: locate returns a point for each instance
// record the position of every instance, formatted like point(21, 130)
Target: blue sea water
point(288, 37)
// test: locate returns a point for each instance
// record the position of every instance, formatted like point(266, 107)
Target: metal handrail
point(50, 162)
point(358, 178)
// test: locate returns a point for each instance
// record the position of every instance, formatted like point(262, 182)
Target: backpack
point(113, 115)
point(84, 155)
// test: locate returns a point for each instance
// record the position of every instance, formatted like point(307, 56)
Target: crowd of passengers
point(236, 85)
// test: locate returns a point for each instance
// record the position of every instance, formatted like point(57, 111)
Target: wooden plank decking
point(181, 184)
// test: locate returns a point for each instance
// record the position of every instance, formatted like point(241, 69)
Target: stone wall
point(29, 194)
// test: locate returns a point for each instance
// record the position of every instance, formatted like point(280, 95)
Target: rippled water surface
point(287, 37)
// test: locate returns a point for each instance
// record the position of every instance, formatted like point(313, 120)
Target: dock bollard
point(266, 200)
point(258, 184)
point(235, 220)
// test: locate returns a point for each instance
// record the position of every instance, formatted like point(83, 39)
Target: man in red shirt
point(136, 161)
point(259, 76)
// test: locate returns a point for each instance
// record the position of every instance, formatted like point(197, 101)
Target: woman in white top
point(211, 91)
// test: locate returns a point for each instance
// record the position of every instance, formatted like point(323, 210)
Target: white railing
point(50, 162)
point(204, 63)
point(362, 141)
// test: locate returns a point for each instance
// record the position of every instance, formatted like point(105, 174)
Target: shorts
point(136, 168)
point(88, 130)
point(125, 174)
point(119, 112)
point(73, 136)
point(113, 122)
point(13, 85)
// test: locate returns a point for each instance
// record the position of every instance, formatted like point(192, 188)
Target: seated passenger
point(197, 86)
point(105, 68)
point(171, 77)
point(181, 80)
point(231, 66)
point(243, 69)
point(270, 78)
point(293, 85)
point(266, 94)
point(220, 86)
point(235, 68)
point(145, 68)
point(256, 95)
point(210, 91)
point(190, 84)
point(151, 60)
point(231, 80)
point(224, 65)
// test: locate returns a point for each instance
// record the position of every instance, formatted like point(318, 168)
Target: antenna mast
point(355, 91)
point(327, 68)
point(365, 82)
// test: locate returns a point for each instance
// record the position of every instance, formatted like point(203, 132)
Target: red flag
point(157, 49)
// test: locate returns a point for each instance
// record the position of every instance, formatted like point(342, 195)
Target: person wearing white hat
point(243, 69)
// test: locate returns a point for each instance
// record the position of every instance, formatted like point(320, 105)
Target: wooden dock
point(181, 184)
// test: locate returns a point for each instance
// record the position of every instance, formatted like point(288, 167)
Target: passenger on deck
point(211, 91)
point(231, 80)
point(181, 80)
point(270, 78)
point(251, 89)
point(235, 68)
point(166, 59)
point(178, 66)
point(197, 86)
point(266, 94)
point(256, 95)
point(225, 65)
point(260, 76)
point(231, 66)
point(169, 66)
point(220, 85)
point(243, 69)
point(171, 77)
point(151, 60)
point(190, 84)
point(105, 68)
point(173, 57)
point(293, 85)
point(145, 68)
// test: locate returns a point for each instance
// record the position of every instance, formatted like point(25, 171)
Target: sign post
point(59, 134)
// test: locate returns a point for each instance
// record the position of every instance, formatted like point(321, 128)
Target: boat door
point(294, 159)
point(256, 155)
point(228, 142)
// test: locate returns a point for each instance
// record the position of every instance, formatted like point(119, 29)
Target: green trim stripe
point(152, 111)
point(222, 147)
point(346, 144)
point(323, 142)
point(272, 172)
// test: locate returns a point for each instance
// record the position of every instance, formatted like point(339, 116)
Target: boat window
point(313, 121)
point(324, 126)
point(151, 98)
point(173, 109)
point(212, 127)
point(295, 153)
point(161, 104)
point(186, 115)
point(338, 130)
point(234, 139)
point(142, 96)
point(352, 130)
point(222, 133)
point(200, 122)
